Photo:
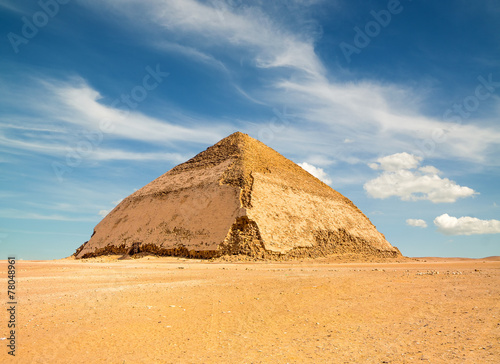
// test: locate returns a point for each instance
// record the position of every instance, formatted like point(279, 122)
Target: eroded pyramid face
point(237, 197)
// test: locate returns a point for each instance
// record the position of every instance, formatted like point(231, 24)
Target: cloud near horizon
point(466, 225)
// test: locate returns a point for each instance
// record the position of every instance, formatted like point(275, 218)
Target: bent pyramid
point(237, 197)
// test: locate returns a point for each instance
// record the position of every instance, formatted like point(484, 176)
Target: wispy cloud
point(191, 53)
point(71, 111)
point(19, 214)
point(6, 4)
point(370, 114)
point(208, 26)
point(80, 99)
point(383, 117)
point(75, 201)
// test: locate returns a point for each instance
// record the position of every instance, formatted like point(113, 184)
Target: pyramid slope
point(237, 197)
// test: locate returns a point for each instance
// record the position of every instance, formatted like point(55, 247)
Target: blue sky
point(395, 104)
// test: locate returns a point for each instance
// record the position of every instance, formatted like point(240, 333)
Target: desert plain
point(175, 310)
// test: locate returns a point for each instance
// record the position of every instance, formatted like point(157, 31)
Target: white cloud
point(103, 213)
point(319, 173)
point(466, 225)
point(115, 203)
point(401, 178)
point(416, 223)
point(396, 162)
point(429, 170)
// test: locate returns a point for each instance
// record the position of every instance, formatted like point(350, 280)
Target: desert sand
point(174, 310)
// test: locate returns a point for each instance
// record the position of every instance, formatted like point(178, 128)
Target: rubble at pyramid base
point(242, 246)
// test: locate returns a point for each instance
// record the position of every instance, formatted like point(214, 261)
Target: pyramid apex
point(238, 135)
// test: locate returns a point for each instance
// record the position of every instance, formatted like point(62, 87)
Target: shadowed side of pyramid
point(237, 197)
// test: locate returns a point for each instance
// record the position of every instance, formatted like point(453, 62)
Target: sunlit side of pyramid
point(237, 197)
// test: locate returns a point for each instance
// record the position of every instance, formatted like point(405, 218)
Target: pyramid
point(238, 197)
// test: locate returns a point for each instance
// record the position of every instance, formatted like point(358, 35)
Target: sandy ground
point(169, 310)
